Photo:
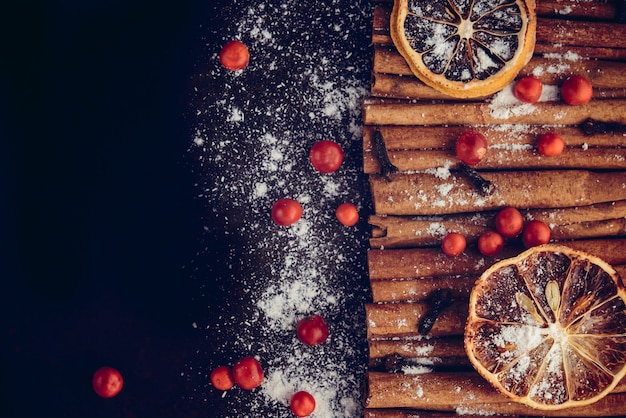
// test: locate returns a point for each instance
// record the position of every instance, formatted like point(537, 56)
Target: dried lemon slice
point(548, 327)
point(465, 48)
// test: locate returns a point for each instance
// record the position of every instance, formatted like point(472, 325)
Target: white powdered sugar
point(504, 104)
point(308, 72)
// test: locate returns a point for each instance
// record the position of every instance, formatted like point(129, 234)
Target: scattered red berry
point(248, 373)
point(528, 89)
point(286, 212)
point(576, 90)
point(471, 146)
point(302, 404)
point(222, 378)
point(312, 330)
point(326, 156)
point(509, 222)
point(550, 144)
point(107, 382)
point(347, 214)
point(535, 233)
point(234, 55)
point(453, 244)
point(490, 243)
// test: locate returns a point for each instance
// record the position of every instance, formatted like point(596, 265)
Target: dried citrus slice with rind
point(465, 48)
point(548, 328)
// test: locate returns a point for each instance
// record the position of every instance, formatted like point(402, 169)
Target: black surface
point(108, 254)
point(98, 210)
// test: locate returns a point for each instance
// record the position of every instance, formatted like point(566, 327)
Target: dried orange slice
point(548, 327)
point(465, 48)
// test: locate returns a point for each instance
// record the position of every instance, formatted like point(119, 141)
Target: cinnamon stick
point(427, 193)
point(588, 52)
point(504, 158)
point(383, 112)
point(581, 214)
point(467, 392)
point(418, 137)
point(580, 33)
point(392, 320)
point(406, 87)
point(431, 262)
point(594, 221)
point(420, 289)
point(402, 231)
point(425, 348)
point(428, 262)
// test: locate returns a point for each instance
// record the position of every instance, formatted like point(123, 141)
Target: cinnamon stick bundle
point(418, 137)
point(390, 112)
point(467, 392)
point(427, 193)
point(594, 221)
point(431, 262)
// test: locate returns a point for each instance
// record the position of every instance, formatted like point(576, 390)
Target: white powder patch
point(416, 369)
point(442, 173)
point(436, 229)
point(504, 105)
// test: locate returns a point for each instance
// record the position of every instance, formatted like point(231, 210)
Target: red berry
point(302, 404)
point(222, 378)
point(509, 222)
point(470, 147)
point(347, 214)
point(490, 243)
point(312, 330)
point(453, 244)
point(107, 382)
point(234, 55)
point(248, 373)
point(286, 212)
point(326, 156)
point(550, 144)
point(528, 89)
point(535, 233)
point(576, 90)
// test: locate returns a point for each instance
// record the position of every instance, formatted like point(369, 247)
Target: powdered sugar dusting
point(504, 104)
point(308, 71)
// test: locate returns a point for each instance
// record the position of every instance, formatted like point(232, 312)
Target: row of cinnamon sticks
point(581, 195)
point(595, 33)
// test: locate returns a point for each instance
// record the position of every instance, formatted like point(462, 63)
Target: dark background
point(99, 219)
